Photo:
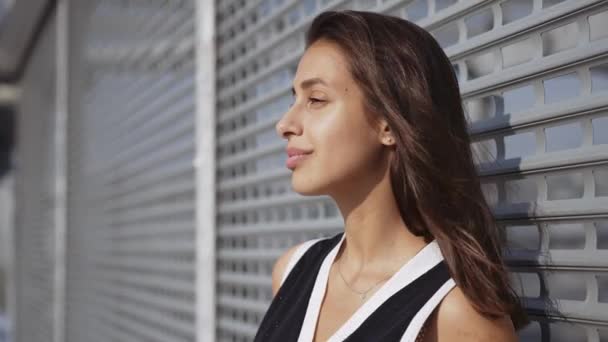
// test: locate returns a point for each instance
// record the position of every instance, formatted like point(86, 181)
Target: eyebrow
point(309, 83)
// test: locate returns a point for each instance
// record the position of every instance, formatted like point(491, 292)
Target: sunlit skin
point(350, 163)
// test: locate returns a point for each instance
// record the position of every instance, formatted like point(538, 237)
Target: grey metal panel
point(125, 72)
point(205, 165)
point(19, 21)
point(35, 198)
point(131, 250)
point(533, 80)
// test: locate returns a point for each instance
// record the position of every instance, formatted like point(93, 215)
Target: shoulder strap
point(284, 317)
point(297, 255)
point(418, 321)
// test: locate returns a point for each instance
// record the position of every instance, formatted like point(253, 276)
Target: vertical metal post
point(204, 164)
point(11, 281)
point(60, 170)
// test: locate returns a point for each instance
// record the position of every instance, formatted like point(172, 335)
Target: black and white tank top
point(395, 312)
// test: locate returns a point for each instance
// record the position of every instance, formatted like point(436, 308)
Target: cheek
point(347, 145)
point(346, 151)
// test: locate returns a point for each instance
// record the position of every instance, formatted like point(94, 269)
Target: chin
point(305, 186)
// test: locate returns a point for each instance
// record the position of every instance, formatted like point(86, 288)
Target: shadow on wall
point(514, 198)
point(7, 137)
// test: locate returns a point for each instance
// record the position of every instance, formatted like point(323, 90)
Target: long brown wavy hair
point(407, 79)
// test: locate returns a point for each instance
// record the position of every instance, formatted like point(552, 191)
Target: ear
point(385, 134)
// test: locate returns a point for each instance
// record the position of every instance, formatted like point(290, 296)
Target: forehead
point(323, 59)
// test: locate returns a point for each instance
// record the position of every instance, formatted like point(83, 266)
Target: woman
point(377, 124)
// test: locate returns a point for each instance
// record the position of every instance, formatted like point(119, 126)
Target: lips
point(296, 159)
point(293, 151)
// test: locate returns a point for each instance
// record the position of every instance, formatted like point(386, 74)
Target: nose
point(286, 125)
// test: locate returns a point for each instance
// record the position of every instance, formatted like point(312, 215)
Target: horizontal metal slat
point(429, 23)
point(117, 329)
point(154, 176)
point(594, 313)
point(150, 229)
point(227, 24)
point(248, 155)
point(147, 95)
point(124, 24)
point(240, 254)
point(548, 209)
point(274, 201)
point(161, 245)
point(534, 69)
point(148, 322)
point(145, 263)
point(242, 304)
point(572, 259)
point(244, 279)
point(255, 103)
point(472, 88)
point(142, 297)
point(153, 28)
point(478, 130)
point(223, 6)
point(177, 124)
point(251, 31)
point(588, 155)
point(105, 89)
point(553, 209)
point(326, 226)
point(250, 82)
point(268, 46)
point(585, 105)
point(181, 151)
point(513, 31)
point(156, 193)
point(594, 154)
point(251, 105)
point(253, 179)
point(143, 54)
point(164, 98)
point(245, 132)
point(155, 212)
point(165, 282)
point(247, 330)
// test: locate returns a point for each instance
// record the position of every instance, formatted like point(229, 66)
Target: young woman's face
point(327, 117)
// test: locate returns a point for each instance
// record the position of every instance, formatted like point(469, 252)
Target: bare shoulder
point(457, 320)
point(279, 267)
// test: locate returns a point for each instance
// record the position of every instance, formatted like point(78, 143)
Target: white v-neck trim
point(295, 257)
point(429, 256)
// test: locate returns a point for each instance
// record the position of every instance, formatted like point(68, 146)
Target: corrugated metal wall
point(35, 196)
point(131, 262)
point(139, 245)
point(129, 273)
point(533, 76)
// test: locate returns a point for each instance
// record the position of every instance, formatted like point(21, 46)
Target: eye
point(315, 100)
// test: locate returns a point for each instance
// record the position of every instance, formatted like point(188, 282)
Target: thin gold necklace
point(363, 294)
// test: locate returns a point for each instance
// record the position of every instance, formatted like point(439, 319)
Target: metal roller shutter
point(131, 249)
point(533, 76)
point(35, 197)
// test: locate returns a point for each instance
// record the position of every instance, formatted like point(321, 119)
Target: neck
point(376, 238)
